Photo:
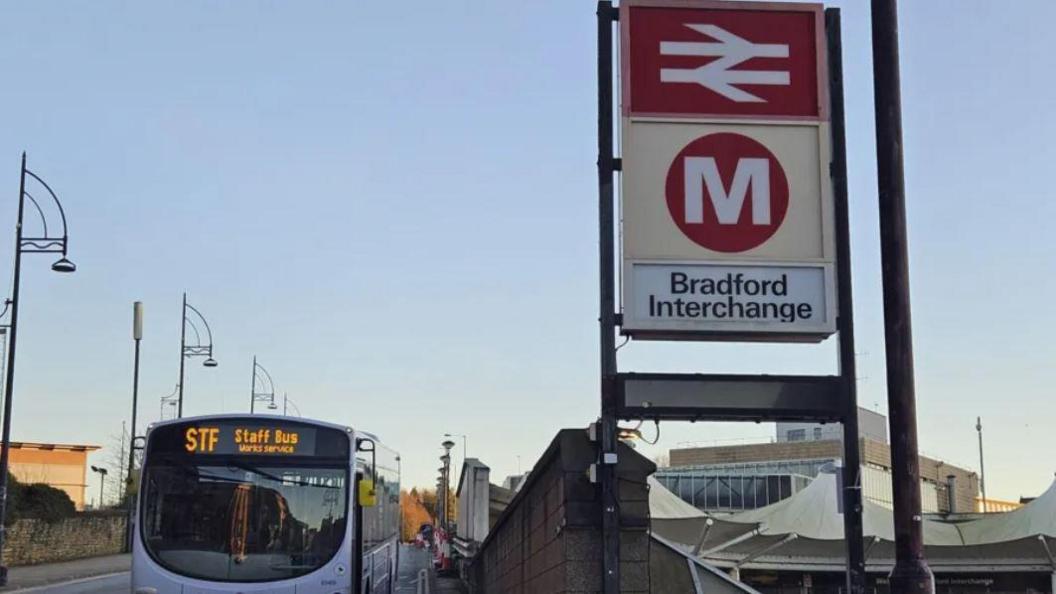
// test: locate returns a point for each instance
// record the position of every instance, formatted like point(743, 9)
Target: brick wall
point(30, 542)
point(549, 538)
point(785, 450)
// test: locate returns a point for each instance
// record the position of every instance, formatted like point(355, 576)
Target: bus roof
point(277, 418)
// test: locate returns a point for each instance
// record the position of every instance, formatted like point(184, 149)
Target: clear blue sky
point(393, 206)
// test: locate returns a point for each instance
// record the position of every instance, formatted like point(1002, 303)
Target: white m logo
point(703, 171)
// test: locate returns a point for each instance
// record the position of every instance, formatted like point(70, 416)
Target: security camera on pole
point(137, 336)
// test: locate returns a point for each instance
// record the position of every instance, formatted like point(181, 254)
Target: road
point(412, 561)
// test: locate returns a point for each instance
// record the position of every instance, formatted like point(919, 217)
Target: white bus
point(235, 503)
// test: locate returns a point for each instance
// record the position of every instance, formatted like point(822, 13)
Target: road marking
point(70, 582)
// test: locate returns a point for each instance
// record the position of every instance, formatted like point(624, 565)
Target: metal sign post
point(610, 518)
point(852, 463)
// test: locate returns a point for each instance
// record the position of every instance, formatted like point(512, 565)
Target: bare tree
point(116, 464)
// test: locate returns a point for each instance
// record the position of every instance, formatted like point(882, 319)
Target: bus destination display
point(248, 439)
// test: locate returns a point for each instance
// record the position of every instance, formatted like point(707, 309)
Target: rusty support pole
point(911, 574)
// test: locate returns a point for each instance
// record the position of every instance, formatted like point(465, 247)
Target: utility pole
point(911, 574)
point(982, 472)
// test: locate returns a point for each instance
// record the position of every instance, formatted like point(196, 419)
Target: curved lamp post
point(262, 378)
point(169, 400)
point(193, 350)
point(44, 243)
point(287, 403)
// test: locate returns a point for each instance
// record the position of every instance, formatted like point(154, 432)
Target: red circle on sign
point(738, 193)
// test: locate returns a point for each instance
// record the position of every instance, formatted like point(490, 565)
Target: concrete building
point(740, 477)
point(871, 425)
point(514, 481)
point(479, 502)
point(63, 466)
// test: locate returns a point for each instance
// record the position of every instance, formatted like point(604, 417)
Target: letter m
point(702, 171)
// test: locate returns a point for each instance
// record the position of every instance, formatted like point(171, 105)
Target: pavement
point(110, 575)
point(95, 575)
point(413, 562)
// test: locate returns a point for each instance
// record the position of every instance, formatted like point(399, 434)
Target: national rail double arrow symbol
point(718, 75)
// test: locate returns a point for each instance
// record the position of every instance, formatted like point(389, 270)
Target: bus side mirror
point(367, 497)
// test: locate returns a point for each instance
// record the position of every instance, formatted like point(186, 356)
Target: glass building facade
point(739, 487)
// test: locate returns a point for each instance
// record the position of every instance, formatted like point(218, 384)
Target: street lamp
point(465, 440)
point(169, 400)
point(102, 483)
point(193, 350)
point(267, 393)
point(46, 243)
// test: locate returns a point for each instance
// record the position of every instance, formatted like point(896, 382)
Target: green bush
point(38, 501)
point(45, 502)
point(14, 499)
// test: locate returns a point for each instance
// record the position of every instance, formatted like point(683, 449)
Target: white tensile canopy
point(1037, 518)
point(805, 531)
point(665, 505)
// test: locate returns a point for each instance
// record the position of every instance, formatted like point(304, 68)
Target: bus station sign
point(726, 203)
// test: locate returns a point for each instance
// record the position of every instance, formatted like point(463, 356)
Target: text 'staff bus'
point(250, 503)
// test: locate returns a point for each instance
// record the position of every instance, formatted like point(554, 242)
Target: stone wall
point(548, 540)
point(30, 542)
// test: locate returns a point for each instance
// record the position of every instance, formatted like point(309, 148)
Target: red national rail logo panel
point(723, 59)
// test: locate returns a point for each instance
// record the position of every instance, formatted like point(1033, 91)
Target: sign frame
point(642, 247)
